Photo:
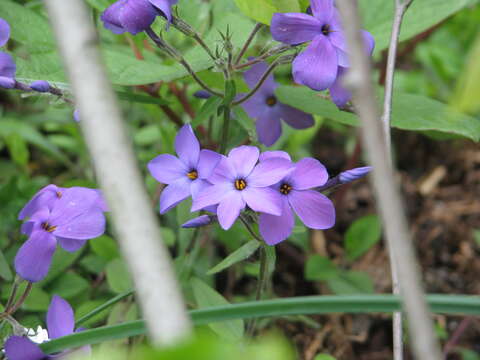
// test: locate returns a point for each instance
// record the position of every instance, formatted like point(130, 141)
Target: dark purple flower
point(40, 86)
point(314, 209)
point(202, 94)
point(238, 182)
point(69, 218)
point(267, 110)
point(4, 32)
point(7, 71)
point(135, 16)
point(186, 175)
point(199, 221)
point(60, 322)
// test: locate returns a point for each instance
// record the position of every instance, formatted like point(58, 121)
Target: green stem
point(19, 303)
point(225, 128)
point(261, 285)
point(13, 294)
point(257, 27)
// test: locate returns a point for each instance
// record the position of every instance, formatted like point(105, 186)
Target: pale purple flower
point(4, 32)
point(199, 221)
point(7, 71)
point(40, 86)
point(76, 115)
point(345, 177)
point(60, 322)
point(186, 175)
point(68, 218)
point(267, 110)
point(135, 16)
point(238, 182)
point(315, 210)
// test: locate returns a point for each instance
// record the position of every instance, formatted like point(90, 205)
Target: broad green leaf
point(168, 236)
point(362, 235)
point(5, 271)
point(324, 357)
point(238, 255)
point(319, 268)
point(259, 10)
point(68, 285)
point(18, 149)
point(351, 282)
point(62, 260)
point(246, 122)
point(206, 297)
point(118, 277)
point(38, 300)
point(99, 5)
point(89, 306)
point(105, 247)
point(208, 109)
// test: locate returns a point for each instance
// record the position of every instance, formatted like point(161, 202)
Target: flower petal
point(264, 200)
point(111, 17)
point(269, 172)
point(268, 127)
point(369, 42)
point(323, 10)
point(88, 225)
point(136, 15)
point(207, 162)
point(166, 168)
point(197, 186)
point(70, 245)
point(43, 198)
point(274, 154)
point(314, 209)
point(164, 6)
point(7, 65)
point(243, 159)
point(275, 229)
point(35, 256)
point(60, 318)
point(308, 173)
point(74, 201)
point(187, 147)
point(294, 28)
point(223, 172)
point(174, 194)
point(229, 209)
point(4, 32)
point(340, 94)
point(211, 195)
point(294, 117)
point(252, 75)
point(316, 67)
point(22, 348)
point(256, 105)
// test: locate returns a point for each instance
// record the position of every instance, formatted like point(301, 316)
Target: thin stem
point(13, 294)
point(188, 30)
point(261, 285)
point(20, 301)
point(225, 128)
point(254, 32)
point(200, 41)
point(266, 55)
point(258, 85)
point(457, 334)
point(249, 228)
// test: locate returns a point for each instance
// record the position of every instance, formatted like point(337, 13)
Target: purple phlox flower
point(267, 110)
point(199, 221)
point(40, 86)
point(185, 175)
point(60, 322)
point(317, 66)
point(135, 16)
point(4, 32)
point(72, 218)
point(238, 182)
point(202, 94)
point(315, 210)
point(7, 71)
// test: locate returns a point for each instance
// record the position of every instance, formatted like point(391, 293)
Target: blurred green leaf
point(68, 285)
point(242, 253)
point(168, 236)
point(105, 247)
point(118, 277)
point(350, 283)
point(38, 300)
point(324, 357)
point(141, 99)
point(476, 236)
point(320, 268)
point(259, 10)
point(5, 271)
point(208, 109)
point(18, 149)
point(468, 354)
point(62, 260)
point(362, 234)
point(246, 122)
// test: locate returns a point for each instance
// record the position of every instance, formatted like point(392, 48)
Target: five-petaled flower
point(296, 191)
point(267, 110)
point(238, 181)
point(67, 216)
point(60, 322)
point(186, 175)
point(135, 16)
point(7, 65)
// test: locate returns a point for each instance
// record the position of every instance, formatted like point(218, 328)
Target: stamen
point(285, 188)
point(59, 194)
point(326, 29)
point(192, 175)
point(271, 100)
point(48, 228)
point(240, 184)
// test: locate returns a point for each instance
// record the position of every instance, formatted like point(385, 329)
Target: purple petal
point(174, 194)
point(294, 117)
point(256, 106)
point(40, 86)
point(211, 195)
point(166, 168)
point(340, 94)
point(316, 67)
point(229, 209)
point(243, 159)
point(7, 66)
point(202, 94)
point(76, 115)
point(223, 172)
point(7, 83)
point(111, 17)
point(74, 201)
point(44, 197)
point(4, 32)
point(70, 245)
point(274, 154)
point(308, 173)
point(264, 200)
point(369, 42)
point(354, 174)
point(88, 225)
point(197, 186)
point(164, 6)
point(35, 256)
point(101, 202)
point(207, 162)
point(268, 128)
point(22, 348)
point(27, 228)
point(136, 15)
point(314, 209)
point(199, 221)
point(294, 28)
point(252, 75)
point(269, 172)
point(336, 34)
point(60, 319)
point(187, 146)
point(323, 10)
point(275, 229)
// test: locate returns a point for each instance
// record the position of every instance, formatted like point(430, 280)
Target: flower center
point(59, 194)
point(285, 188)
point(240, 184)
point(271, 100)
point(326, 29)
point(192, 175)
point(48, 228)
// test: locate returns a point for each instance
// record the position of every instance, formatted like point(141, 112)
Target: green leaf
point(238, 255)
point(476, 236)
point(351, 282)
point(141, 99)
point(468, 354)
point(320, 268)
point(271, 260)
point(208, 109)
point(105, 247)
point(5, 271)
point(206, 297)
point(362, 235)
point(37, 300)
point(118, 277)
point(69, 285)
point(18, 149)
point(259, 10)
point(324, 357)
point(230, 91)
point(62, 260)
point(246, 122)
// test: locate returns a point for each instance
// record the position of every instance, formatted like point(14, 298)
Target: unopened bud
point(354, 174)
point(40, 86)
point(200, 221)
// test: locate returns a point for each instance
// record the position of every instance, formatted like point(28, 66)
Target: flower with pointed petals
point(317, 66)
point(69, 220)
point(135, 16)
point(4, 32)
point(315, 210)
point(238, 182)
point(185, 175)
point(267, 110)
point(60, 322)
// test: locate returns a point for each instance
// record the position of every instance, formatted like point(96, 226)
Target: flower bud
point(40, 86)
point(202, 220)
point(354, 174)
point(202, 94)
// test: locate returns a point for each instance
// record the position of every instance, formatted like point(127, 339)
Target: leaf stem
point(225, 128)
point(254, 32)
point(261, 285)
